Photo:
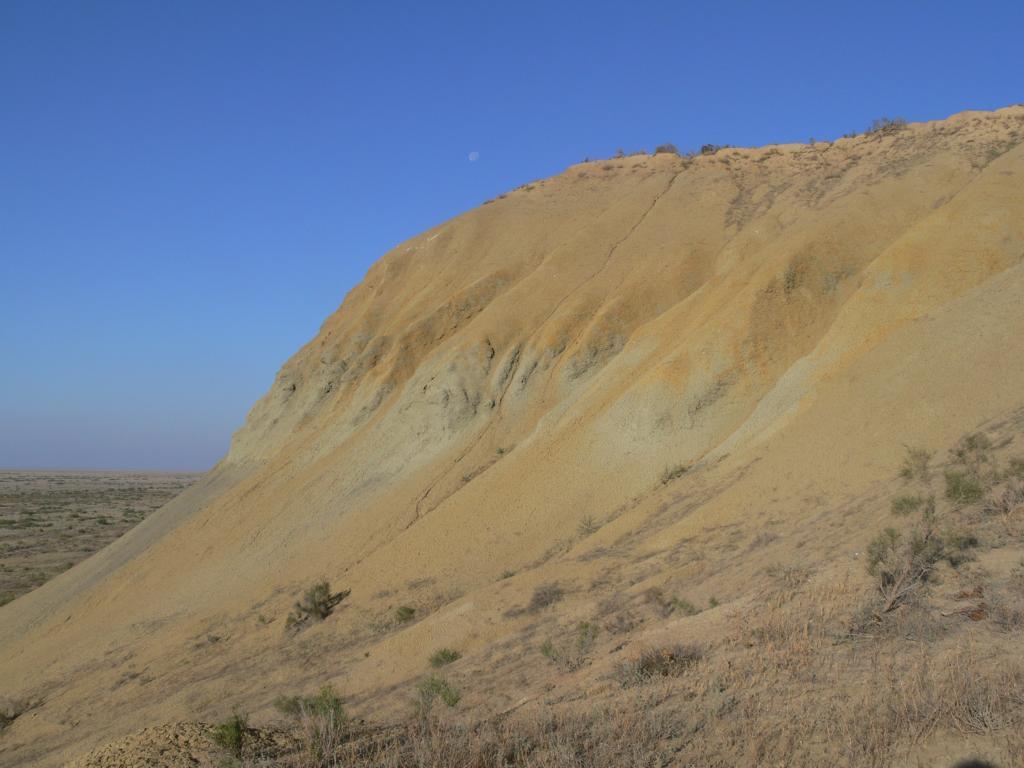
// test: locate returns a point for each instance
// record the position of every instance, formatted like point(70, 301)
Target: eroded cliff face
point(539, 362)
point(664, 301)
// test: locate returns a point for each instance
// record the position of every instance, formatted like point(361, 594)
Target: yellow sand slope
point(781, 320)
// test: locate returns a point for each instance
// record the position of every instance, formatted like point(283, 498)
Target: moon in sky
point(474, 156)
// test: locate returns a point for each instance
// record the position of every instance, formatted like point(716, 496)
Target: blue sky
point(187, 189)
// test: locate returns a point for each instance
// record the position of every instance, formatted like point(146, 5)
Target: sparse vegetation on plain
point(52, 520)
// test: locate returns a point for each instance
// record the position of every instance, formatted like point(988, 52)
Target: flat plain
point(51, 520)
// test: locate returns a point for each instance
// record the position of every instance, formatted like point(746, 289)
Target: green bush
point(902, 564)
point(971, 446)
point(325, 703)
point(905, 505)
point(915, 465)
point(586, 634)
point(317, 602)
point(548, 651)
point(666, 149)
point(436, 687)
point(572, 653)
point(231, 734)
point(443, 656)
point(963, 487)
point(321, 725)
point(673, 473)
point(405, 613)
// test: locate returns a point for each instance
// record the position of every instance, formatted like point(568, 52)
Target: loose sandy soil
point(52, 519)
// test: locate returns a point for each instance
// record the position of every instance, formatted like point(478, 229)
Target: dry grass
point(623, 735)
point(652, 663)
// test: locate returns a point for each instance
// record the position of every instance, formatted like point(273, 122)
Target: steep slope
point(780, 320)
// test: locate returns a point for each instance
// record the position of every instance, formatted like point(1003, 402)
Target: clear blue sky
point(187, 189)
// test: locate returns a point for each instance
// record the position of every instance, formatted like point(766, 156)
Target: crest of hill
point(777, 321)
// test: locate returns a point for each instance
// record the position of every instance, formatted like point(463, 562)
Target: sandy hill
point(639, 385)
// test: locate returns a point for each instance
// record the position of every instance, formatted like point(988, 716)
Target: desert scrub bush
point(667, 661)
point(9, 712)
point(1016, 467)
point(586, 635)
point(906, 505)
point(974, 453)
point(545, 596)
point(317, 603)
point(887, 125)
point(231, 733)
point(444, 656)
point(673, 473)
point(404, 613)
point(321, 722)
point(548, 650)
point(1006, 503)
point(916, 465)
point(587, 526)
point(436, 687)
point(789, 576)
point(963, 487)
point(324, 702)
point(669, 604)
point(666, 149)
point(901, 564)
point(572, 653)
point(973, 448)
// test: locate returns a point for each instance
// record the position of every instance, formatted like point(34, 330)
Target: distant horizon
point(115, 470)
point(191, 190)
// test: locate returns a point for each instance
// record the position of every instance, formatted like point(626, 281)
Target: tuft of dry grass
point(545, 596)
point(666, 661)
